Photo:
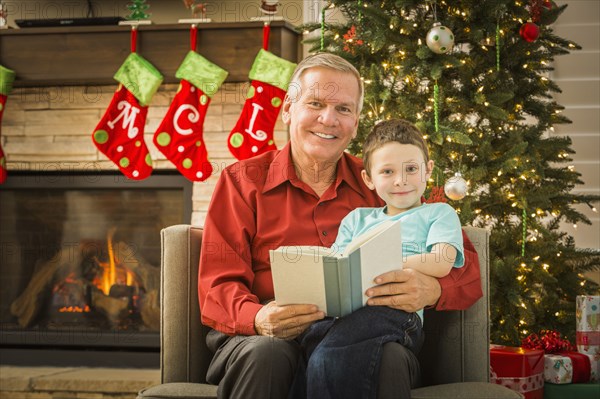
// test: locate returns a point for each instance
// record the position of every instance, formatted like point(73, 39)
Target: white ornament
point(456, 187)
point(439, 39)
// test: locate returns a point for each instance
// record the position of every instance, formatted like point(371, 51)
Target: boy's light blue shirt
point(422, 227)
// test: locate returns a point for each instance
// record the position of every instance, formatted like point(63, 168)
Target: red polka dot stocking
point(7, 76)
point(253, 132)
point(179, 136)
point(120, 133)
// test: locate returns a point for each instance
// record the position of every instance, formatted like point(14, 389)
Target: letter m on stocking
point(120, 133)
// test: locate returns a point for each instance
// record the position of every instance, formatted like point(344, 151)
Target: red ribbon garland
point(266, 32)
point(550, 342)
point(133, 39)
point(193, 37)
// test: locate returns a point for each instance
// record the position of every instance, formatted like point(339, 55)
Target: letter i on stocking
point(120, 133)
point(270, 76)
point(179, 136)
point(7, 76)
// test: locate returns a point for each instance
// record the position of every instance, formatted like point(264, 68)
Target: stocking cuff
point(139, 77)
point(202, 73)
point(7, 76)
point(272, 69)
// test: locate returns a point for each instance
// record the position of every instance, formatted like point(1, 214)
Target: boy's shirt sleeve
point(345, 232)
point(445, 227)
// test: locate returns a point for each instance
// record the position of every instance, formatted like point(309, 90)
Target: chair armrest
point(184, 356)
point(456, 347)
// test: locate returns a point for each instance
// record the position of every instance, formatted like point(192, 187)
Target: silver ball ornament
point(456, 187)
point(439, 39)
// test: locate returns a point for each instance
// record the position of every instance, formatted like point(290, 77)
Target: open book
point(336, 283)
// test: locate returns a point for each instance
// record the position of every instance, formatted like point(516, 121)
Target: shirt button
point(324, 233)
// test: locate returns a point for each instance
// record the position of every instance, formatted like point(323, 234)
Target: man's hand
point(405, 289)
point(286, 322)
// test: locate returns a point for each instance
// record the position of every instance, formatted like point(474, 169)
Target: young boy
point(396, 165)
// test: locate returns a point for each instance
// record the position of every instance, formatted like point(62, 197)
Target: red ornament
point(529, 32)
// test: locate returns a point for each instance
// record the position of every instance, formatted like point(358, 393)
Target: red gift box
point(519, 369)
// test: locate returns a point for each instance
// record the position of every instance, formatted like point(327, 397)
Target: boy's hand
point(286, 322)
point(405, 289)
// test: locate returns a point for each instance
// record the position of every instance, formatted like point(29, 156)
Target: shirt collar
point(345, 173)
point(282, 170)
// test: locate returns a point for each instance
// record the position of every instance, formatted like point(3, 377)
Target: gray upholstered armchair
point(454, 359)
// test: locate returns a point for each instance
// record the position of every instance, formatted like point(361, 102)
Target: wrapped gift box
point(519, 369)
point(588, 325)
point(588, 331)
point(594, 368)
point(566, 368)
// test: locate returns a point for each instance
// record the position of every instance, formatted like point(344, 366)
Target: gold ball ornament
point(456, 187)
point(439, 39)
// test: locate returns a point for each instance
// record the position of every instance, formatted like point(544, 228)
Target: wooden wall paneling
point(91, 55)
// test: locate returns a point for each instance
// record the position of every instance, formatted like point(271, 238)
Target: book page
point(298, 276)
point(380, 254)
point(366, 236)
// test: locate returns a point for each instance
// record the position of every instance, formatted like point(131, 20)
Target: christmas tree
point(138, 10)
point(477, 85)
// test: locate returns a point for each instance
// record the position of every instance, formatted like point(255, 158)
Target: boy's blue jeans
point(342, 357)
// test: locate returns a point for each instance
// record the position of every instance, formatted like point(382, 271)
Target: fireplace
point(80, 266)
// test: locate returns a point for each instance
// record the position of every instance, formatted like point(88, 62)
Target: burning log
point(150, 310)
point(28, 305)
point(120, 287)
point(115, 309)
point(148, 275)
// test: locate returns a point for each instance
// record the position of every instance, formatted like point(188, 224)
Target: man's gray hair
point(331, 61)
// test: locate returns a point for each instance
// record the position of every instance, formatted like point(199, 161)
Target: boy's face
point(399, 174)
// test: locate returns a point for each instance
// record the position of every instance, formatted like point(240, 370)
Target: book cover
point(335, 282)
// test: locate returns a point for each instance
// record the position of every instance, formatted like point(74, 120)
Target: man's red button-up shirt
point(260, 204)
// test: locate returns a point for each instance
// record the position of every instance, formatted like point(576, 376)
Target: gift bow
point(549, 341)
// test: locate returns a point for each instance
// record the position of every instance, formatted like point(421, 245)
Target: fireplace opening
point(80, 266)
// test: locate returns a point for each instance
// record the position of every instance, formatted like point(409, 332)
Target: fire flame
point(113, 272)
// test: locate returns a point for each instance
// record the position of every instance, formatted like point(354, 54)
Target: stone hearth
point(74, 383)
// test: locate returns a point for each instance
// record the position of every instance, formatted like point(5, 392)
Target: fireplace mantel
point(91, 55)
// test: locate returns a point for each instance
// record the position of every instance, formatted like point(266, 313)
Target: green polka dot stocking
point(179, 136)
point(253, 132)
point(120, 135)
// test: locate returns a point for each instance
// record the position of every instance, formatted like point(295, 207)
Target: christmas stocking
point(7, 76)
point(120, 133)
point(253, 133)
point(179, 136)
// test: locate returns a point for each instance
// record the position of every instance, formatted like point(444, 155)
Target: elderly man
point(298, 196)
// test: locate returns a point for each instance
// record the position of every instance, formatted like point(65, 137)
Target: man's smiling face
point(322, 114)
